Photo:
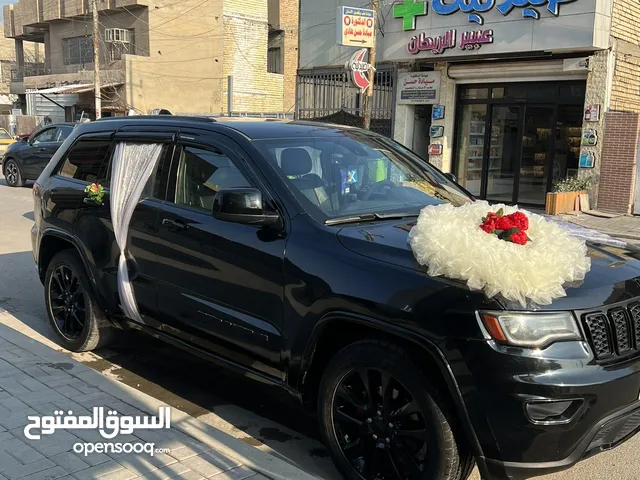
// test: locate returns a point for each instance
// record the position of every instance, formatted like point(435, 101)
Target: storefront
point(512, 140)
point(513, 83)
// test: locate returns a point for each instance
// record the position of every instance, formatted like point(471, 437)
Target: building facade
point(509, 96)
point(158, 54)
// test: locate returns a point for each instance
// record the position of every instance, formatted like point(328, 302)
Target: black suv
point(279, 250)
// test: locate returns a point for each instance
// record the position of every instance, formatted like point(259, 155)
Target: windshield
point(4, 135)
point(354, 174)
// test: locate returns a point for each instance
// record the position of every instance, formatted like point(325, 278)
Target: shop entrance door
point(518, 155)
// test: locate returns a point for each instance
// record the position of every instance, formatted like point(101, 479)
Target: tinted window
point(4, 135)
point(201, 174)
point(88, 160)
point(48, 135)
point(356, 174)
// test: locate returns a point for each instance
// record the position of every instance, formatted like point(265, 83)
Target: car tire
point(74, 314)
point(406, 433)
point(12, 173)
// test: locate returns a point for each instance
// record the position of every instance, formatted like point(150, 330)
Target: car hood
point(614, 274)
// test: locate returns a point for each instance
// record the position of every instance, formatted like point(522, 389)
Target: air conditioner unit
point(117, 35)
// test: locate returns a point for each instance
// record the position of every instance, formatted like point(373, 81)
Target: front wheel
point(382, 419)
point(73, 311)
point(12, 173)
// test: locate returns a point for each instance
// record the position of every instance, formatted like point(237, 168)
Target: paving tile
point(24, 470)
point(17, 419)
point(204, 465)
point(95, 458)
point(24, 453)
point(238, 473)
point(191, 475)
point(175, 470)
point(70, 462)
point(185, 452)
point(52, 473)
point(13, 404)
point(13, 387)
point(67, 391)
point(98, 471)
point(10, 443)
point(7, 461)
point(34, 385)
point(144, 463)
point(123, 474)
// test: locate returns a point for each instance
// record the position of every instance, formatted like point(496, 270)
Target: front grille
point(614, 333)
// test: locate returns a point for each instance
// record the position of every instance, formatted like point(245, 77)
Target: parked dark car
point(278, 250)
point(26, 159)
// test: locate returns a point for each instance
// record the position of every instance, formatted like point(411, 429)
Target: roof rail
point(161, 117)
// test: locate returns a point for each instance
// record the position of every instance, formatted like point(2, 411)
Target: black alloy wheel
point(379, 426)
point(74, 313)
point(382, 418)
point(12, 174)
point(67, 303)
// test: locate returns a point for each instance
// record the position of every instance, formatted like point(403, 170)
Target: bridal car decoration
point(519, 255)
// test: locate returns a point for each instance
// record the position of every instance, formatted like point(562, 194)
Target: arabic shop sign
point(472, 40)
point(360, 70)
point(418, 88)
point(410, 10)
point(355, 27)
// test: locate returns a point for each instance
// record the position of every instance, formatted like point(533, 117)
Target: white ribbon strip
point(132, 167)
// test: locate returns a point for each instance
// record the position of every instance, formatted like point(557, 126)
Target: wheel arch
point(54, 241)
point(337, 330)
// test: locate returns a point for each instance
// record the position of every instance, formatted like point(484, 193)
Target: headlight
point(534, 330)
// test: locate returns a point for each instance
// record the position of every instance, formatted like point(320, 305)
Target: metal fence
point(330, 96)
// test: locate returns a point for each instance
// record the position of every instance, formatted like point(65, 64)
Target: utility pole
point(368, 99)
point(96, 59)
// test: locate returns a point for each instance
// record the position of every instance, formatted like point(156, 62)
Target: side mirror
point(451, 177)
point(242, 205)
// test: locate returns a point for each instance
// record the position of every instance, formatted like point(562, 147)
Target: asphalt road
point(235, 405)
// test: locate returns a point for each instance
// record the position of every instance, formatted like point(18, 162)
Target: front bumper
point(497, 382)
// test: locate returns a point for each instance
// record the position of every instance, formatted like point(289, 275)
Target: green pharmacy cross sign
point(408, 11)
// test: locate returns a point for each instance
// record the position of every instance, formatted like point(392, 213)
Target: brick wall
point(619, 160)
point(289, 15)
point(624, 23)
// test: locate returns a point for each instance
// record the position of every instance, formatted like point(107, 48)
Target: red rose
point(504, 223)
point(519, 220)
point(520, 238)
point(94, 187)
point(487, 228)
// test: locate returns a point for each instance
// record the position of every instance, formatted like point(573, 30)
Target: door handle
point(174, 225)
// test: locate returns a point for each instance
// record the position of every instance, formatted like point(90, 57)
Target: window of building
point(77, 50)
point(118, 49)
point(203, 173)
point(274, 53)
point(89, 161)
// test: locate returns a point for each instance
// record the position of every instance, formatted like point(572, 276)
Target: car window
point(88, 160)
point(63, 133)
point(4, 135)
point(200, 174)
point(48, 135)
point(357, 174)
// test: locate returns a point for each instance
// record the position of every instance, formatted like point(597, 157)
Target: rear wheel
point(12, 173)
point(73, 311)
point(382, 419)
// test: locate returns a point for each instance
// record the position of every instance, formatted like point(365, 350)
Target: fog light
point(552, 412)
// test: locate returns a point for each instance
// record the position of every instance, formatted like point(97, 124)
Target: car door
point(220, 284)
point(48, 149)
point(89, 161)
point(39, 146)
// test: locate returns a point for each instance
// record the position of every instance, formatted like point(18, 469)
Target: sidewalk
point(623, 226)
point(37, 380)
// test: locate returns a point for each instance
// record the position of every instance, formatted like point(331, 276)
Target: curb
point(263, 463)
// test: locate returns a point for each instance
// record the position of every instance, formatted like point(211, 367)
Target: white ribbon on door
point(133, 164)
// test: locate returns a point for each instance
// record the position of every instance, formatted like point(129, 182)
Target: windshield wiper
point(369, 217)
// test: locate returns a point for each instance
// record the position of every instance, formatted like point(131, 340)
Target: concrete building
point(509, 97)
point(158, 54)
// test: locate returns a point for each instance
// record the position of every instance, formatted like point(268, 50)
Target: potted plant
point(566, 192)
